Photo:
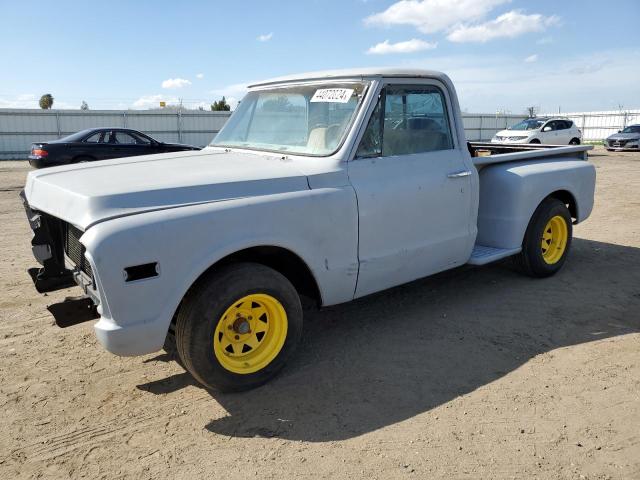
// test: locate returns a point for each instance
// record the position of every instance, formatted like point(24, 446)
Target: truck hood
point(624, 136)
point(88, 193)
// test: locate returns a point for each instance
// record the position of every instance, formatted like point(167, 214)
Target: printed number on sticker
point(335, 95)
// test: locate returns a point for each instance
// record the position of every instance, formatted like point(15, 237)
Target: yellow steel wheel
point(554, 240)
point(250, 333)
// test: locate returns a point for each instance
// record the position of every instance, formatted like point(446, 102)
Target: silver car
point(626, 139)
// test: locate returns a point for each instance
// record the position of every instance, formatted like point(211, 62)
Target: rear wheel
point(574, 141)
point(83, 159)
point(547, 239)
point(535, 141)
point(238, 326)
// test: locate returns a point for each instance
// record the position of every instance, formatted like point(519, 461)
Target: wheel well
point(280, 259)
point(568, 199)
point(283, 261)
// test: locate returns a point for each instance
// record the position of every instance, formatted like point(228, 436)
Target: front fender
point(319, 226)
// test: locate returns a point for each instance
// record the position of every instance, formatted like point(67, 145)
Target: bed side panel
point(510, 193)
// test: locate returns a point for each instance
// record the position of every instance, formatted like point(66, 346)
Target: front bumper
point(508, 141)
point(619, 147)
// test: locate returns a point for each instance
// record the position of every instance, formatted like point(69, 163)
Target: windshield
point(530, 124)
point(302, 119)
point(632, 129)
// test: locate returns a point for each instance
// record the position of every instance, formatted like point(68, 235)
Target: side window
point(140, 140)
point(95, 138)
point(371, 143)
point(550, 126)
point(124, 138)
point(107, 137)
point(415, 121)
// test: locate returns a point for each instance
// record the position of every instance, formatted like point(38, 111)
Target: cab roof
point(355, 73)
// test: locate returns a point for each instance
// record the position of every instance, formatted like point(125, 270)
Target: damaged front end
point(56, 246)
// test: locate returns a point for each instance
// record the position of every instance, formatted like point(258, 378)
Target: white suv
point(552, 131)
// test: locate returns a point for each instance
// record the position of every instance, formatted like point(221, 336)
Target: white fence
point(19, 128)
point(596, 126)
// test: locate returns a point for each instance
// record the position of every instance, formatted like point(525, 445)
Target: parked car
point(98, 144)
point(329, 186)
point(626, 139)
point(550, 131)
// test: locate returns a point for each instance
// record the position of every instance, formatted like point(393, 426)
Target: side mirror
point(546, 129)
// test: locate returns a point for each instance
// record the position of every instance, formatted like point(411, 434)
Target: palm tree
point(46, 101)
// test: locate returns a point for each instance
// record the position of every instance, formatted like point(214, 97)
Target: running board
point(482, 254)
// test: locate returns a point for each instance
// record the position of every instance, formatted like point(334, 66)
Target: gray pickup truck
point(328, 186)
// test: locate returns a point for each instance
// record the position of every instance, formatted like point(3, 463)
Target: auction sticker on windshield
point(334, 95)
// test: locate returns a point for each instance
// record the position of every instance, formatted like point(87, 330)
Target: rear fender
point(511, 192)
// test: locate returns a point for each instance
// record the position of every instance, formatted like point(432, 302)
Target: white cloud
point(545, 40)
point(510, 24)
point(486, 82)
point(409, 46)
point(200, 76)
point(431, 16)
point(266, 37)
point(175, 83)
point(588, 67)
point(25, 100)
point(531, 58)
point(153, 101)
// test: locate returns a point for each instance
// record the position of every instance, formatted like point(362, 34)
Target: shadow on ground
point(390, 356)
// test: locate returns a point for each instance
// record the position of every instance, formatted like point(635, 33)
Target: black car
point(98, 144)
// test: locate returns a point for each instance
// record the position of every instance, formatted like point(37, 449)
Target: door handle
point(464, 173)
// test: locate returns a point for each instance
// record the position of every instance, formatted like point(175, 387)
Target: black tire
point(531, 260)
point(574, 141)
point(206, 304)
point(535, 141)
point(83, 159)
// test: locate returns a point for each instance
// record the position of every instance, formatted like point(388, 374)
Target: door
point(550, 133)
point(126, 145)
point(413, 188)
point(105, 149)
point(565, 132)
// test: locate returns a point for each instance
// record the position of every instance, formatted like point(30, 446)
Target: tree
point(277, 104)
point(84, 105)
point(532, 111)
point(220, 106)
point(46, 101)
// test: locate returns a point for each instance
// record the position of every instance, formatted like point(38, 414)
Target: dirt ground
point(474, 373)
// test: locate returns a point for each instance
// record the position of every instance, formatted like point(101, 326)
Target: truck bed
point(484, 153)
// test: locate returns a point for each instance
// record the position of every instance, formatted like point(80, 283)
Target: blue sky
point(502, 55)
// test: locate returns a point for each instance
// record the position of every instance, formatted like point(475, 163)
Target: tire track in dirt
point(48, 447)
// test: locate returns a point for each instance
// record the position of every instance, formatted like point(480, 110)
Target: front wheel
point(535, 141)
point(238, 326)
point(547, 239)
